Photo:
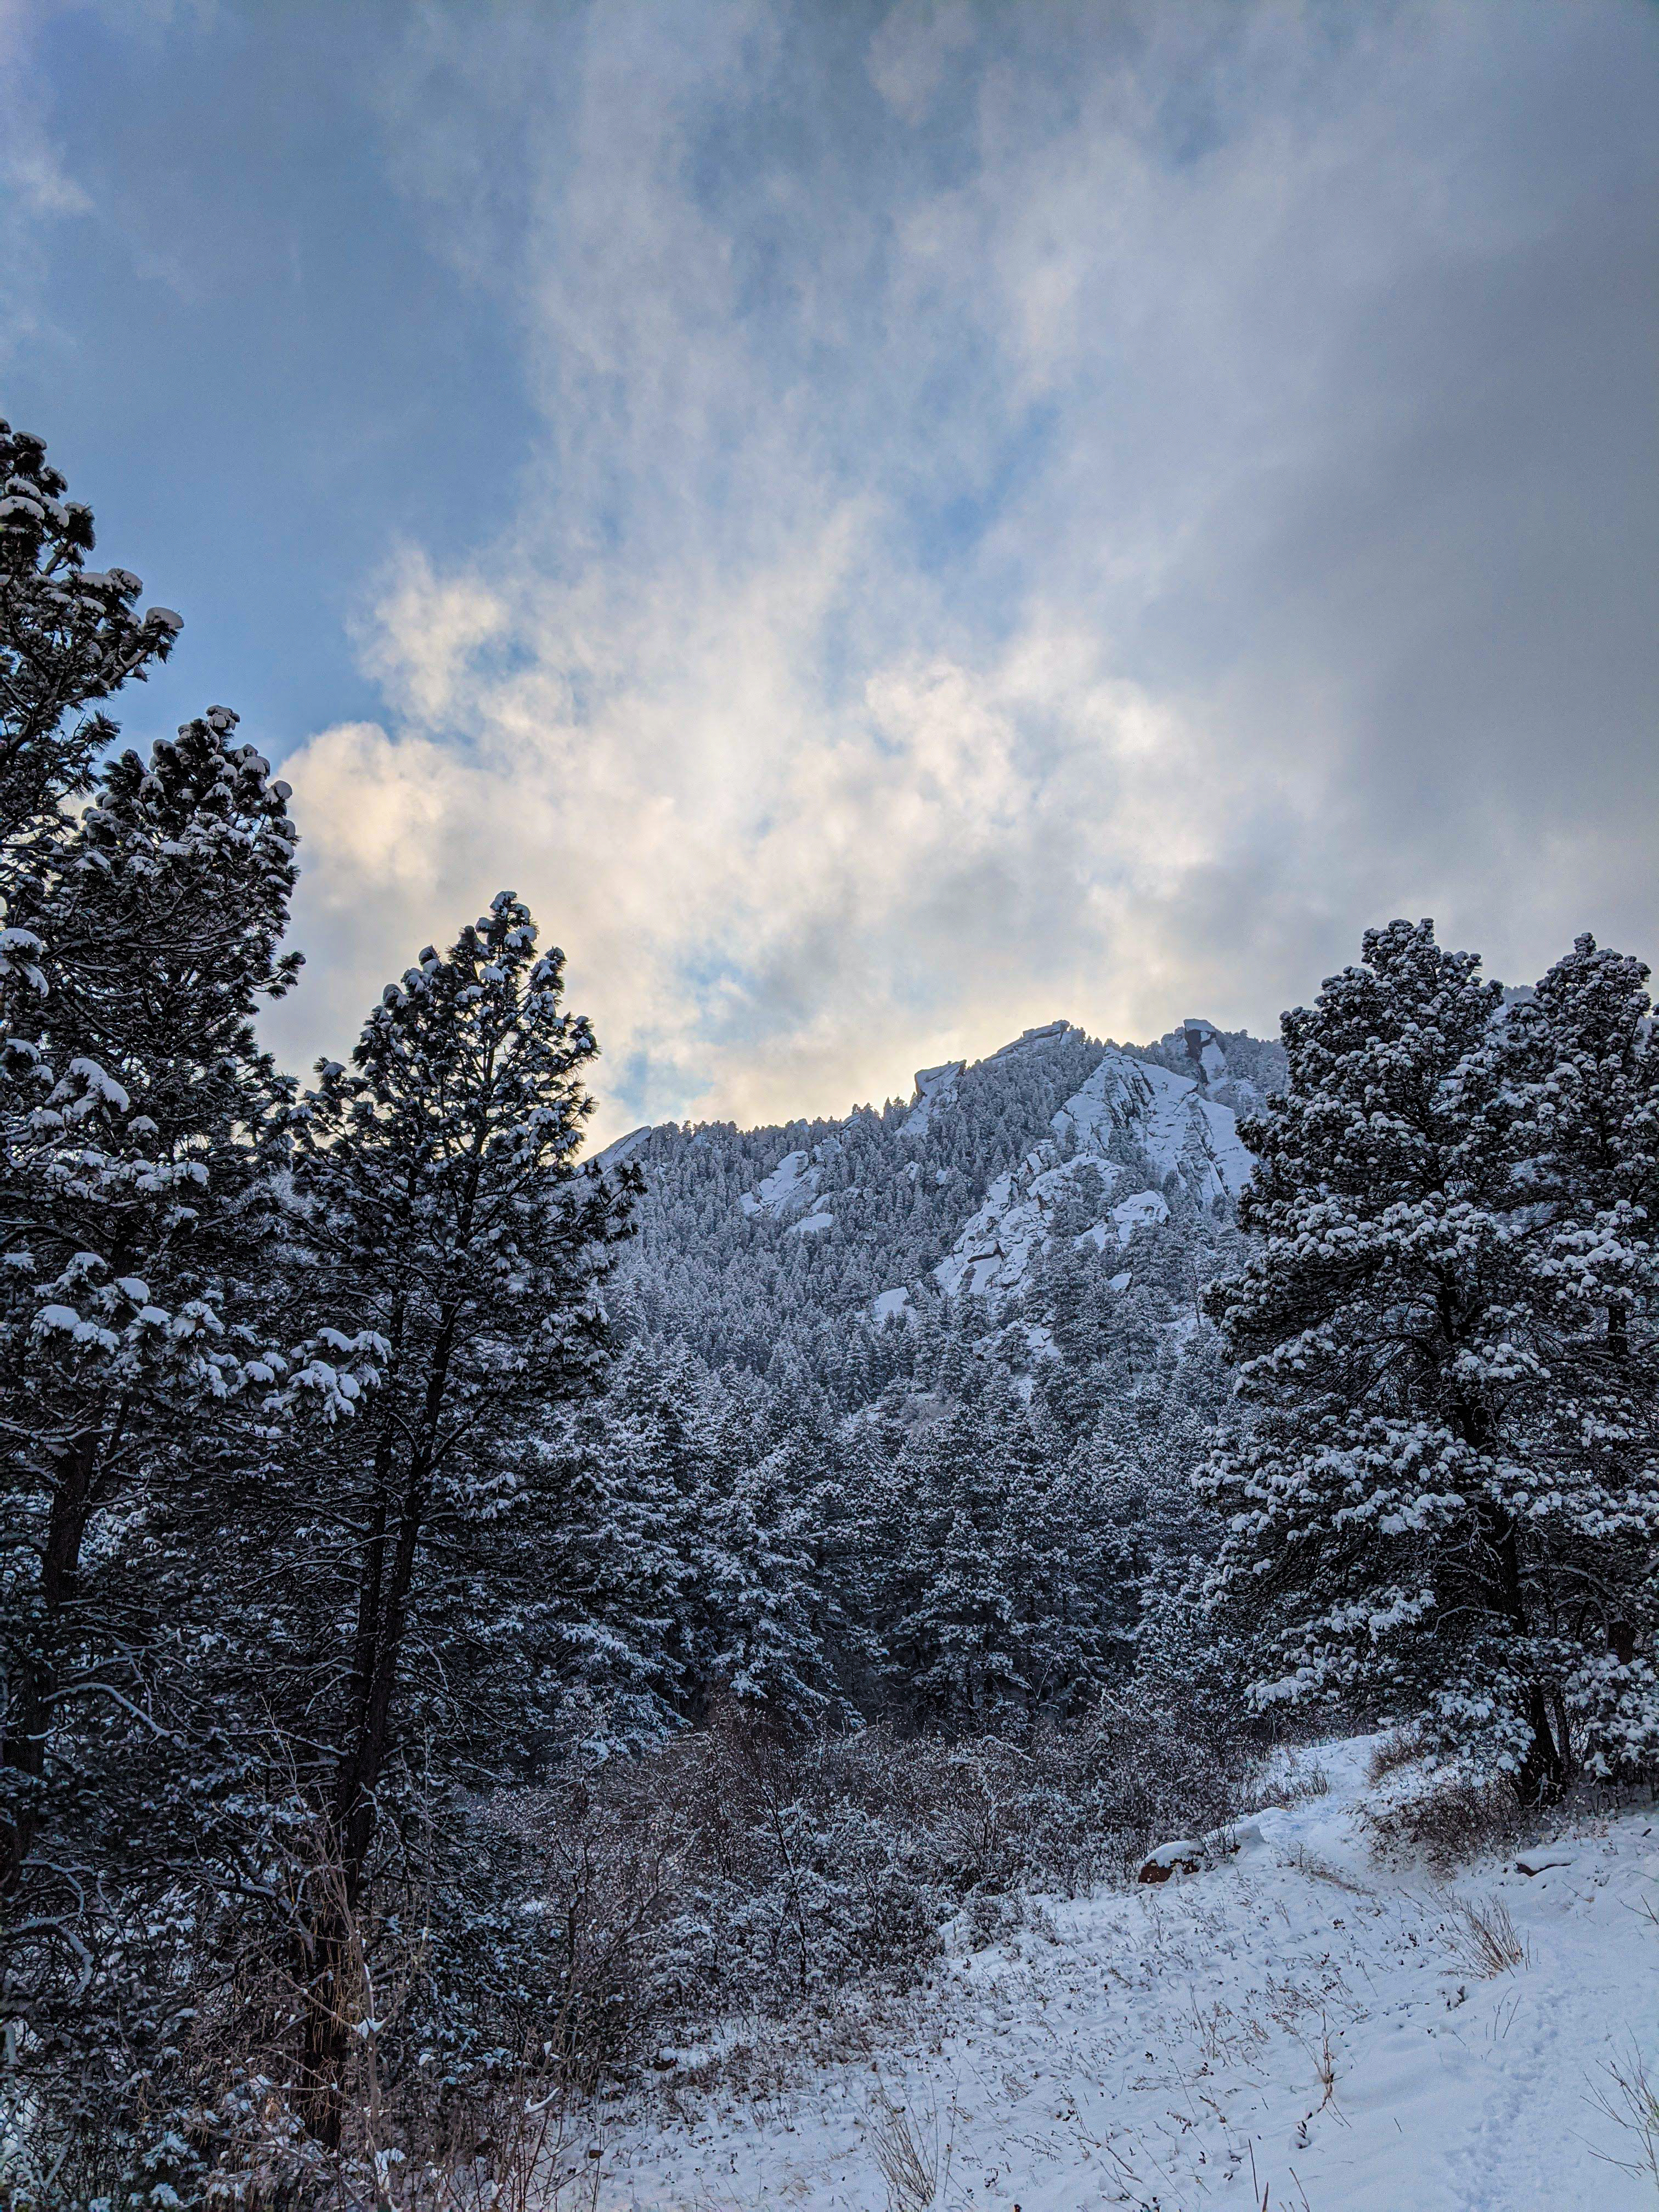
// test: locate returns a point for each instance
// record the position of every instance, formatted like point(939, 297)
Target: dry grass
point(914, 2159)
point(1631, 2101)
point(1319, 1869)
point(1324, 2061)
point(1485, 1940)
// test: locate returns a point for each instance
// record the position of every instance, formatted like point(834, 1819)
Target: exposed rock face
point(1131, 1115)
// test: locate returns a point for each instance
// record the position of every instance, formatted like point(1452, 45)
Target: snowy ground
point(1296, 2028)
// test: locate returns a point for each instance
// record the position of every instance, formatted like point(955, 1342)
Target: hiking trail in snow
point(1296, 2021)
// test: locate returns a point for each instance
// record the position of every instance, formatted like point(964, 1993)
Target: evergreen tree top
point(70, 635)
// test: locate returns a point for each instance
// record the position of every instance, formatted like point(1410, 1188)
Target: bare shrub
point(1400, 1748)
point(1446, 1824)
point(1302, 1776)
point(531, 2152)
point(702, 1914)
point(1129, 1777)
point(734, 1874)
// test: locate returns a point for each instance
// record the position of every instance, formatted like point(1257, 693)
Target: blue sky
point(888, 523)
point(240, 341)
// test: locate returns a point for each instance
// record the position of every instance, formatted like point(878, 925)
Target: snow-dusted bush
point(1445, 1822)
point(736, 1874)
point(1400, 1746)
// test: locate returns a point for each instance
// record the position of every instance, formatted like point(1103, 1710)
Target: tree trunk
point(1544, 1768)
point(24, 1749)
point(349, 1819)
point(325, 2037)
point(1543, 1771)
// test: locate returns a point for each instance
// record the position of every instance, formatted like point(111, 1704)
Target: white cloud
point(771, 906)
point(991, 553)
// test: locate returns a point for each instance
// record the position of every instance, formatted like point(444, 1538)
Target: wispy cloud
point(36, 191)
point(1040, 511)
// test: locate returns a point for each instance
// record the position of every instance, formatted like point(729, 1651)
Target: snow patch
point(1290, 2023)
point(790, 1185)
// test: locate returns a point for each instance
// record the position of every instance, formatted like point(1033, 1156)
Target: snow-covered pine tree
point(817, 1482)
point(394, 1616)
point(1397, 1528)
point(70, 635)
point(635, 1558)
point(777, 1540)
point(1054, 1557)
point(953, 1640)
point(1578, 1117)
point(124, 1188)
point(761, 1598)
point(138, 1227)
point(139, 932)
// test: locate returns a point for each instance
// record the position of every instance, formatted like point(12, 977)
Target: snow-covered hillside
point(1295, 2027)
point(1057, 1175)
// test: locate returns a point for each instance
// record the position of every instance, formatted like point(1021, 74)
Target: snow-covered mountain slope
point(1130, 1116)
point(1298, 2027)
point(1057, 1161)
